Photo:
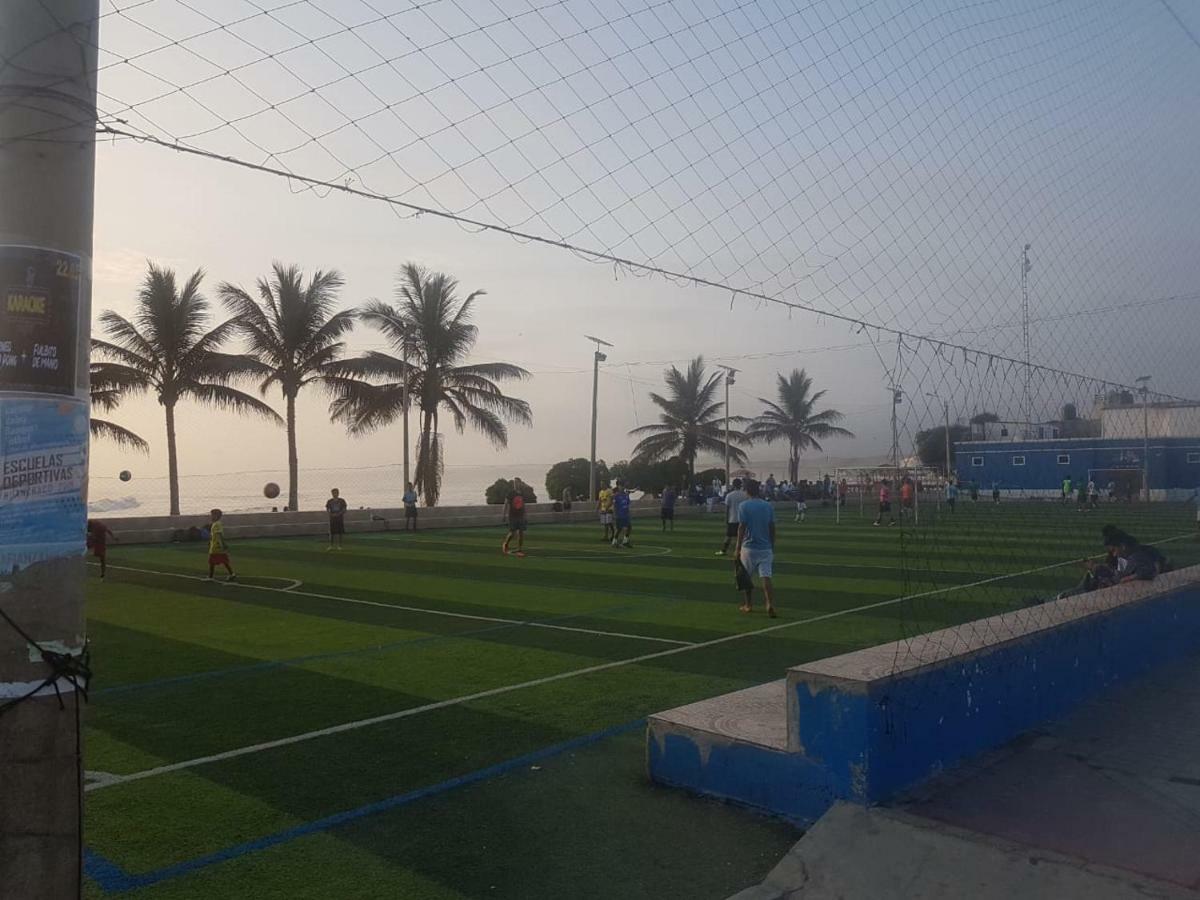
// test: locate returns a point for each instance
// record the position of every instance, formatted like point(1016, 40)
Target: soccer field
point(419, 716)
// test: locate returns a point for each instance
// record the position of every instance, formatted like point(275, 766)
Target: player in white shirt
point(734, 499)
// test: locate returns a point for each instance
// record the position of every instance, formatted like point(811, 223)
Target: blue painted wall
point(1042, 471)
point(865, 745)
point(903, 730)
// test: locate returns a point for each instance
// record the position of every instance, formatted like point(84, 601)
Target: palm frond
point(224, 397)
point(102, 429)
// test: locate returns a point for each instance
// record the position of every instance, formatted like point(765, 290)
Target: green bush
point(650, 477)
point(573, 474)
point(498, 491)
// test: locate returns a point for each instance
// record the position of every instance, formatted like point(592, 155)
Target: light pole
point(730, 372)
point(404, 356)
point(1144, 389)
point(946, 415)
point(47, 172)
point(1026, 265)
point(597, 358)
point(897, 399)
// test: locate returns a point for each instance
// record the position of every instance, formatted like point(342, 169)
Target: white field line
point(417, 609)
point(549, 679)
point(543, 553)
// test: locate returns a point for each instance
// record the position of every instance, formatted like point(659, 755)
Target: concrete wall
point(863, 726)
point(160, 529)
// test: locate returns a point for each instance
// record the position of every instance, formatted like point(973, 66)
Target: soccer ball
point(125, 475)
point(270, 490)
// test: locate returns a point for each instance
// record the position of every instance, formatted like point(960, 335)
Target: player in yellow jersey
point(218, 550)
point(605, 506)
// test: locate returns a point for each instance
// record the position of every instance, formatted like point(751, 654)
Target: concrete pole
point(404, 354)
point(728, 481)
point(730, 377)
point(1146, 442)
point(946, 410)
point(47, 169)
point(595, 398)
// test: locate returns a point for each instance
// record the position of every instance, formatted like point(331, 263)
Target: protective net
point(991, 210)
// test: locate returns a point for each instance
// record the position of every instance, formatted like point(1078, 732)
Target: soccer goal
point(863, 483)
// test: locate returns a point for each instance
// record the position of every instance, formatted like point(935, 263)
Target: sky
point(881, 160)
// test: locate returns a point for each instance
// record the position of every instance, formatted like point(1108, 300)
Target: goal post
point(865, 481)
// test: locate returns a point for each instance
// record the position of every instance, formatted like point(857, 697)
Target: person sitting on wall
point(1118, 543)
point(1097, 574)
point(1142, 563)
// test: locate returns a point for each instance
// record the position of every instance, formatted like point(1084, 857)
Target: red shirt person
point(97, 541)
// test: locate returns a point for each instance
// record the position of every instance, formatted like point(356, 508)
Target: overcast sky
point(883, 159)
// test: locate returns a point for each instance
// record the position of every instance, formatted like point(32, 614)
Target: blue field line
point(271, 664)
point(111, 878)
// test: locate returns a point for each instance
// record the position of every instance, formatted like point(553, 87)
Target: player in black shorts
point(336, 507)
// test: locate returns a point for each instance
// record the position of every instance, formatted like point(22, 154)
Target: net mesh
point(991, 208)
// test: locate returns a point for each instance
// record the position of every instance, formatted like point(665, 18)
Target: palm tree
point(293, 331)
point(692, 420)
point(169, 348)
point(436, 326)
point(108, 388)
point(794, 418)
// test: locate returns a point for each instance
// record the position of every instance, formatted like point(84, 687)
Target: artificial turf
point(508, 756)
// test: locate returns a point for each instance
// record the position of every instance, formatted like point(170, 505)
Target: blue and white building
point(1037, 466)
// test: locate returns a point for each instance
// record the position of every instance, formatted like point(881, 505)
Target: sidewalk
point(1104, 804)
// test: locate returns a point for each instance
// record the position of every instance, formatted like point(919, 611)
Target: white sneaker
point(614, 543)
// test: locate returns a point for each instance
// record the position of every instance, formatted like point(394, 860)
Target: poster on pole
point(43, 418)
point(40, 293)
point(43, 466)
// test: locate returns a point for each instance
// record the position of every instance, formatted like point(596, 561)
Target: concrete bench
point(865, 725)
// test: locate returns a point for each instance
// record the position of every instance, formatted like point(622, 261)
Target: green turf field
point(422, 717)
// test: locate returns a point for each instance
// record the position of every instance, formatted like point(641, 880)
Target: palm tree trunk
point(794, 464)
point(172, 460)
point(293, 460)
point(425, 460)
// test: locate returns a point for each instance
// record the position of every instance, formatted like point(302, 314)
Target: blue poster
point(43, 474)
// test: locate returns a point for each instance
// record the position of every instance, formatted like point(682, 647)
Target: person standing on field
point(336, 507)
point(604, 504)
point(218, 550)
point(733, 500)
point(667, 507)
point(97, 541)
point(756, 545)
point(624, 521)
point(410, 506)
point(885, 503)
point(514, 514)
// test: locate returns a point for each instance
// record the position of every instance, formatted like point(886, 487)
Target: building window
point(1004, 432)
point(1064, 459)
point(1018, 460)
point(1193, 457)
point(977, 462)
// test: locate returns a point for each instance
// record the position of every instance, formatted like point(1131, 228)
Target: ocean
point(363, 488)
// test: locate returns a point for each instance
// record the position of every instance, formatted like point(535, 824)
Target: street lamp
point(946, 412)
point(730, 372)
point(404, 334)
point(1143, 382)
point(897, 399)
point(597, 358)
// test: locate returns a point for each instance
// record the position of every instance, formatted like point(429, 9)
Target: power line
point(598, 255)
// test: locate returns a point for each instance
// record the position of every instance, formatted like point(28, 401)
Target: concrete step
point(756, 715)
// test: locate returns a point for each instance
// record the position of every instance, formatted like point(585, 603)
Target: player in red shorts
point(218, 550)
point(97, 540)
